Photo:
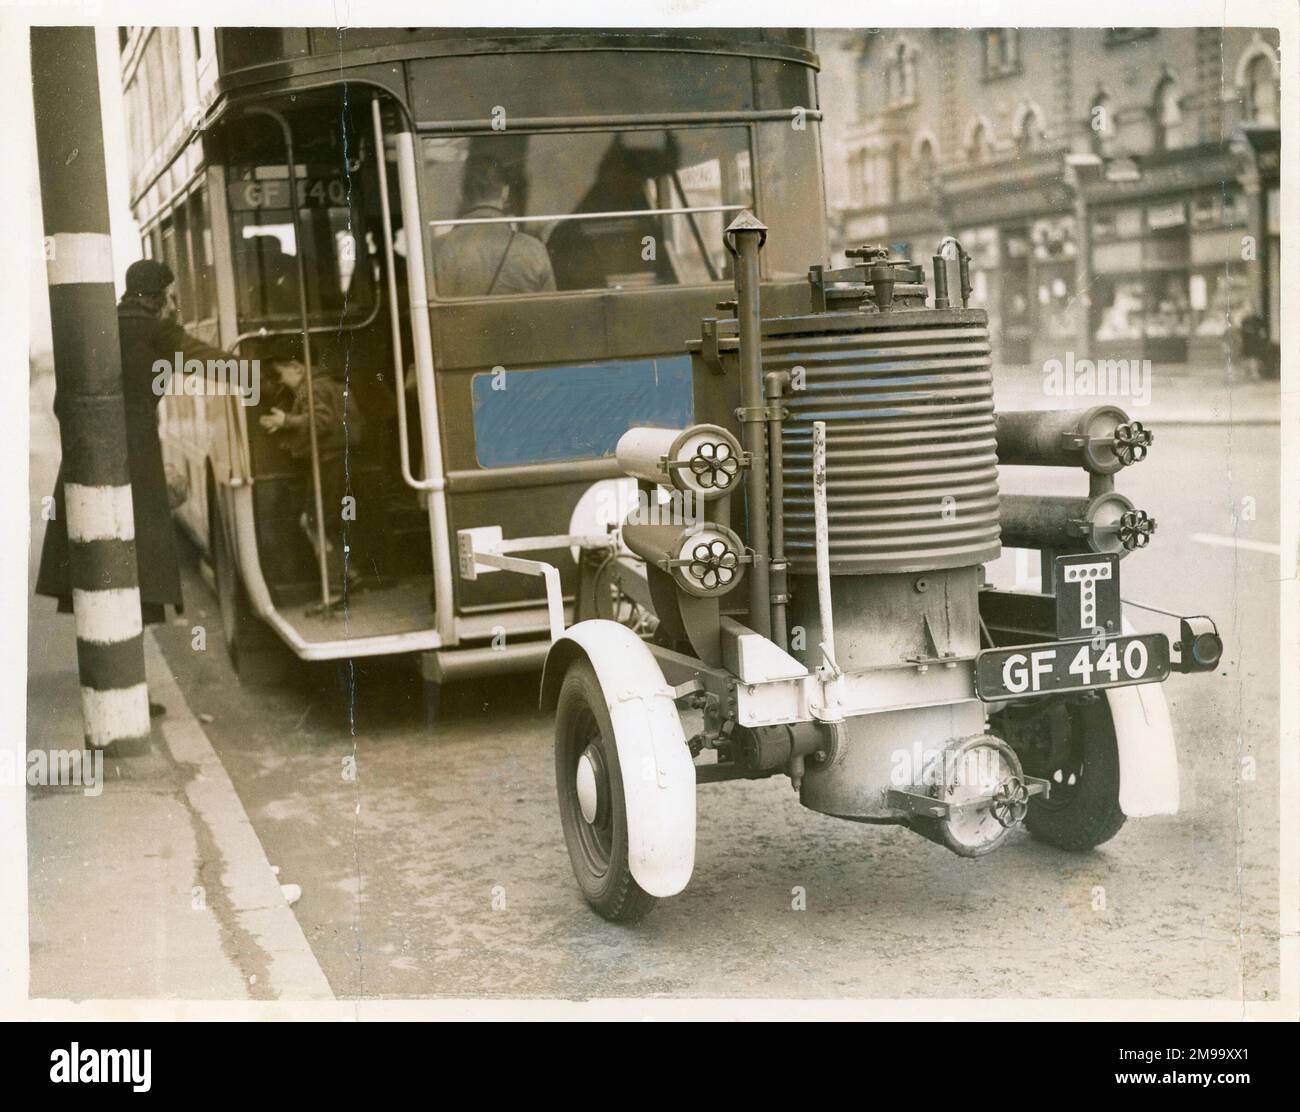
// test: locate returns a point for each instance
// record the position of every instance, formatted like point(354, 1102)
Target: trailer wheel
point(1082, 809)
point(258, 656)
point(593, 811)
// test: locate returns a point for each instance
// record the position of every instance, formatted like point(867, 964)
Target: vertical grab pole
point(822, 540)
point(776, 381)
point(744, 237)
point(399, 367)
point(435, 481)
point(299, 242)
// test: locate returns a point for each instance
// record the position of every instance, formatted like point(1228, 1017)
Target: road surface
point(432, 863)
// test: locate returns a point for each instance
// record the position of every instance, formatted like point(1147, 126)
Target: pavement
point(147, 882)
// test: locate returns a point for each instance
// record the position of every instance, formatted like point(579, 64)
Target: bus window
point(526, 213)
point(181, 267)
point(558, 414)
point(168, 255)
point(205, 292)
point(335, 259)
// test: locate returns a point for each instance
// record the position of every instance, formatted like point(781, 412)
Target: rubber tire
point(258, 656)
point(1093, 815)
point(615, 895)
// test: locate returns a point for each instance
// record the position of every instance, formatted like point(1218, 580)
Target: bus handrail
point(300, 239)
point(245, 456)
point(399, 369)
point(426, 389)
point(560, 217)
point(643, 120)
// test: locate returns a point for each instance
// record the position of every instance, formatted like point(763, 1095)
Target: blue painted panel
point(571, 413)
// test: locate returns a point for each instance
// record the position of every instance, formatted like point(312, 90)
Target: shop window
point(1219, 298)
point(1001, 52)
point(1170, 132)
point(1261, 92)
point(1168, 314)
point(1122, 309)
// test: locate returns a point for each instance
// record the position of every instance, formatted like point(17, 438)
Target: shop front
point(1166, 250)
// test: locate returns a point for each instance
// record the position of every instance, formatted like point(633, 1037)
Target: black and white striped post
point(88, 378)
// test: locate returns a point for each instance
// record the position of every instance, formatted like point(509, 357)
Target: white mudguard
point(1148, 756)
point(658, 775)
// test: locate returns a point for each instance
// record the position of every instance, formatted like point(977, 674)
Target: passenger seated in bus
point(337, 434)
point(478, 260)
point(610, 251)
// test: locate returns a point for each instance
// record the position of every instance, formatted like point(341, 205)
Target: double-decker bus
point(498, 241)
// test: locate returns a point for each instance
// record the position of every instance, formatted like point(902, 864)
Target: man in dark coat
point(148, 332)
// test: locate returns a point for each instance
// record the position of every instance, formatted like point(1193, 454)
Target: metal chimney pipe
point(744, 237)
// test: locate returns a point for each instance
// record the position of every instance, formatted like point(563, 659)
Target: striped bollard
point(88, 378)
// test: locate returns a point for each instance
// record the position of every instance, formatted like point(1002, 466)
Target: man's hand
point(273, 421)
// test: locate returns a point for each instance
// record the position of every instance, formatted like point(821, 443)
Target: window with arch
point(858, 177)
point(926, 161)
point(978, 146)
point(895, 159)
point(1001, 52)
point(864, 88)
point(900, 76)
point(1170, 132)
point(1261, 91)
point(1029, 134)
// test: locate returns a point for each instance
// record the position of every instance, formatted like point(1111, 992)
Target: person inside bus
point(338, 431)
point(147, 332)
point(595, 254)
point(480, 260)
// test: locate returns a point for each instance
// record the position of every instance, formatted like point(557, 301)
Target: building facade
point(1116, 188)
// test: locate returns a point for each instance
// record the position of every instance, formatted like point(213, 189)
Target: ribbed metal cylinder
point(911, 448)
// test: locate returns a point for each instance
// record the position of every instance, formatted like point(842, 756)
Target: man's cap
point(148, 276)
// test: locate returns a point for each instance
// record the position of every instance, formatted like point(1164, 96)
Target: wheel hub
point(591, 784)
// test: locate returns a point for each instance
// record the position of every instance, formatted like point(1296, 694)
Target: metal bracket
point(709, 345)
point(483, 550)
point(925, 806)
point(761, 413)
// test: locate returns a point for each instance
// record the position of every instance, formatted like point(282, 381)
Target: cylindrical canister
point(1071, 524)
point(702, 459)
point(1062, 438)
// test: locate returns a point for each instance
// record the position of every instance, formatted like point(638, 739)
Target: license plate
point(1027, 670)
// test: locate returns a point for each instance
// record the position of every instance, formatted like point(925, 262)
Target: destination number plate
point(1026, 670)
